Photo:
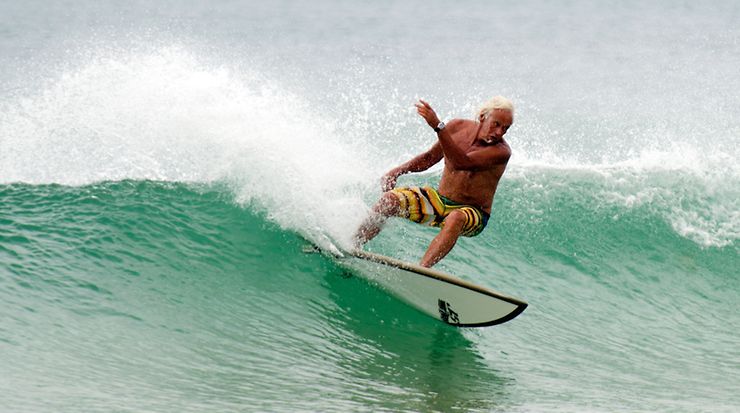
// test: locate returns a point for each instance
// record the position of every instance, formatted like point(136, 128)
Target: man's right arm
point(422, 162)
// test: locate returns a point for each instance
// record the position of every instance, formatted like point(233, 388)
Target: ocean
point(163, 166)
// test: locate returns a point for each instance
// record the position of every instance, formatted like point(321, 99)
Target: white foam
point(165, 115)
point(695, 192)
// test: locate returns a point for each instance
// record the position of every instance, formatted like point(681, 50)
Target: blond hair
point(497, 102)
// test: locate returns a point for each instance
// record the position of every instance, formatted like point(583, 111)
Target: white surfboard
point(442, 296)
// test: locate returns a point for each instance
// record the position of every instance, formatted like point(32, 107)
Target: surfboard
point(443, 296)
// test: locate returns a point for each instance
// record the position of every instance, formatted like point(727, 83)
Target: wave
point(182, 275)
point(167, 115)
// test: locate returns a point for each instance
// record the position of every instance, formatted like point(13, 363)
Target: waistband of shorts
point(448, 201)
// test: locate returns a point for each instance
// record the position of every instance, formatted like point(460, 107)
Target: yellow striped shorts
point(426, 206)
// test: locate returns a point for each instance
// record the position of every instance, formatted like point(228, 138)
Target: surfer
point(475, 155)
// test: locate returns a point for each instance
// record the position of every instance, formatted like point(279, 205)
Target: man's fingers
point(426, 112)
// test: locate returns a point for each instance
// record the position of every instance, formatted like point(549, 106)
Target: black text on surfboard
point(446, 313)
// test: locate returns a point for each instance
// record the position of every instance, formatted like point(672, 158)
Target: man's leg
point(387, 206)
point(445, 240)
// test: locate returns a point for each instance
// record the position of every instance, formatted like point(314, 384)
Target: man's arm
point(479, 160)
point(457, 157)
point(421, 162)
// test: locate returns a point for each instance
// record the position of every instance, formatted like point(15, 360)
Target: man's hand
point(388, 181)
point(426, 112)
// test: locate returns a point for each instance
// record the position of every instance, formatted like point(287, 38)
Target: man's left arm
point(486, 158)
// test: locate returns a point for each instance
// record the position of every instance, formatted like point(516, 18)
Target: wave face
point(150, 295)
point(162, 170)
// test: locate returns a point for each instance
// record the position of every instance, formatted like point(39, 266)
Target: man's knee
point(455, 221)
point(388, 205)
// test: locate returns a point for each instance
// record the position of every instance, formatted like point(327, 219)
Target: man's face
point(496, 124)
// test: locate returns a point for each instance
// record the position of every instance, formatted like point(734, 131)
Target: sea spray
point(167, 116)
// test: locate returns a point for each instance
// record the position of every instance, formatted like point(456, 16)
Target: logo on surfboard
point(446, 312)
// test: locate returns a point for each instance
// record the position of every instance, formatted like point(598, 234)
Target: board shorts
point(426, 206)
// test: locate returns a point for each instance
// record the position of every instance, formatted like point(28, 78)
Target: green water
point(142, 296)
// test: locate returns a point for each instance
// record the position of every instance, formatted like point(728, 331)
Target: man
point(475, 155)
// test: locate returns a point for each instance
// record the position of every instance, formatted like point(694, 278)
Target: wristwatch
point(439, 127)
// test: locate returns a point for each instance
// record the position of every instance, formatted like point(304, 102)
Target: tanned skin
point(475, 155)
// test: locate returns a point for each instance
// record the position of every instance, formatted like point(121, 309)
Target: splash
point(167, 116)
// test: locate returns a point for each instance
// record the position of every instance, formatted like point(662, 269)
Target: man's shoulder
point(460, 124)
